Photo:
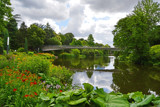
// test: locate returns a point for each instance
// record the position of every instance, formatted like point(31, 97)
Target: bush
point(35, 64)
point(30, 53)
point(63, 74)
point(155, 54)
point(20, 49)
point(66, 55)
point(1, 46)
point(76, 52)
point(3, 62)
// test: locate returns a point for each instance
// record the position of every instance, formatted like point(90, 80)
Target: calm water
point(109, 74)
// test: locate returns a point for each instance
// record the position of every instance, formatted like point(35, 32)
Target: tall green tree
point(5, 13)
point(22, 34)
point(132, 34)
point(26, 45)
point(12, 30)
point(90, 40)
point(36, 37)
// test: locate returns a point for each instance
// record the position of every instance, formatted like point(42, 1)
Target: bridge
point(63, 47)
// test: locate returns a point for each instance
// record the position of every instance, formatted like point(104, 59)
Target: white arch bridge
point(63, 47)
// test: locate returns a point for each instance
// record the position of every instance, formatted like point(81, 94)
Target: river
point(112, 75)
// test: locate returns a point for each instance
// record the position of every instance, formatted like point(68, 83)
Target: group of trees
point(138, 31)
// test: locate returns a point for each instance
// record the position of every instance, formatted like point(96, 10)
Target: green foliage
point(68, 38)
point(36, 37)
point(76, 52)
point(1, 45)
point(63, 74)
point(20, 49)
point(12, 30)
point(6, 14)
point(155, 54)
point(26, 45)
point(35, 64)
point(88, 97)
point(66, 55)
point(53, 41)
point(90, 40)
point(30, 53)
point(132, 34)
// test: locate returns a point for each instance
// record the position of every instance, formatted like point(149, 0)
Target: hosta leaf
point(63, 98)
point(44, 97)
point(88, 87)
point(157, 102)
point(136, 96)
point(146, 101)
point(76, 102)
point(111, 101)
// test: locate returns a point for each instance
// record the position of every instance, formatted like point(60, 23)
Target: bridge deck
point(62, 47)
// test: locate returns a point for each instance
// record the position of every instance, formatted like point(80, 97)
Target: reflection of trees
point(77, 63)
point(132, 78)
point(89, 74)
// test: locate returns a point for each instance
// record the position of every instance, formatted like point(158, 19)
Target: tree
point(36, 37)
point(76, 42)
point(12, 30)
point(132, 34)
point(68, 39)
point(90, 40)
point(5, 13)
point(26, 45)
point(49, 32)
point(22, 34)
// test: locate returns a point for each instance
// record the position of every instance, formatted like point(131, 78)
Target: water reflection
point(98, 79)
point(121, 77)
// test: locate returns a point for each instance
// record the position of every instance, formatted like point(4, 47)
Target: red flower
point(35, 93)
point(6, 82)
point(1, 74)
point(39, 77)
point(26, 96)
point(23, 80)
point(32, 83)
point(35, 82)
point(60, 91)
point(9, 74)
point(14, 89)
point(18, 77)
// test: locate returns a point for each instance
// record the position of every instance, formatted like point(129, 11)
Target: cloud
point(39, 9)
point(111, 5)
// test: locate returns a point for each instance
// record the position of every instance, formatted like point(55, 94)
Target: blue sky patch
point(63, 23)
point(104, 18)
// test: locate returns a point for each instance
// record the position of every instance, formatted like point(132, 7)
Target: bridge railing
point(60, 47)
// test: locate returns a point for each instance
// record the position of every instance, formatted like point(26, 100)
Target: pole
point(7, 45)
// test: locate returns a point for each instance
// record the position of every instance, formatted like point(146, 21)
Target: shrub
point(62, 73)
point(20, 49)
point(155, 54)
point(30, 53)
point(76, 52)
point(66, 55)
point(35, 64)
point(3, 62)
point(1, 46)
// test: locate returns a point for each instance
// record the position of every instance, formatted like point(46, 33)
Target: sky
point(80, 17)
